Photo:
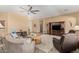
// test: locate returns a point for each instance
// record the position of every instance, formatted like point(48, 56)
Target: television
point(56, 27)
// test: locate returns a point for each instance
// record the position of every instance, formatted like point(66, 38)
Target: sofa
point(19, 45)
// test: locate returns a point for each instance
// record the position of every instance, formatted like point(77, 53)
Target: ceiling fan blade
point(35, 11)
point(23, 8)
point(30, 8)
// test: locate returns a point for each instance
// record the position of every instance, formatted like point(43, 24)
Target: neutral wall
point(66, 19)
point(17, 21)
point(73, 18)
point(3, 16)
point(13, 20)
point(37, 27)
point(76, 15)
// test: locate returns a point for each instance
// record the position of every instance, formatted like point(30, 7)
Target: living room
point(32, 28)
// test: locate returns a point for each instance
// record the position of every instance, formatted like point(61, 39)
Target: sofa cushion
point(14, 35)
point(46, 39)
point(28, 40)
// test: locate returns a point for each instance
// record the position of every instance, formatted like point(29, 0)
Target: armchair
point(65, 45)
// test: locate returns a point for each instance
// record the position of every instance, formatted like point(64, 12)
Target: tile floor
point(39, 51)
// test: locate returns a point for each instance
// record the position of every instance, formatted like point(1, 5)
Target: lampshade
point(76, 28)
point(1, 26)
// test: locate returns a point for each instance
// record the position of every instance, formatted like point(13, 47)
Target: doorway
point(41, 26)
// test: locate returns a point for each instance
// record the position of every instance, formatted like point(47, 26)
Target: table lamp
point(1, 26)
point(76, 28)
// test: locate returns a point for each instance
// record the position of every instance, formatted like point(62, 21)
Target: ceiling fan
point(29, 10)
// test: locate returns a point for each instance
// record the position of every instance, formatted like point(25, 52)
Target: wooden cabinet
point(53, 30)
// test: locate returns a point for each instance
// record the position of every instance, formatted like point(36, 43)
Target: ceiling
point(45, 10)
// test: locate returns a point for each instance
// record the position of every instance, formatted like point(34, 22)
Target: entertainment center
point(56, 28)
